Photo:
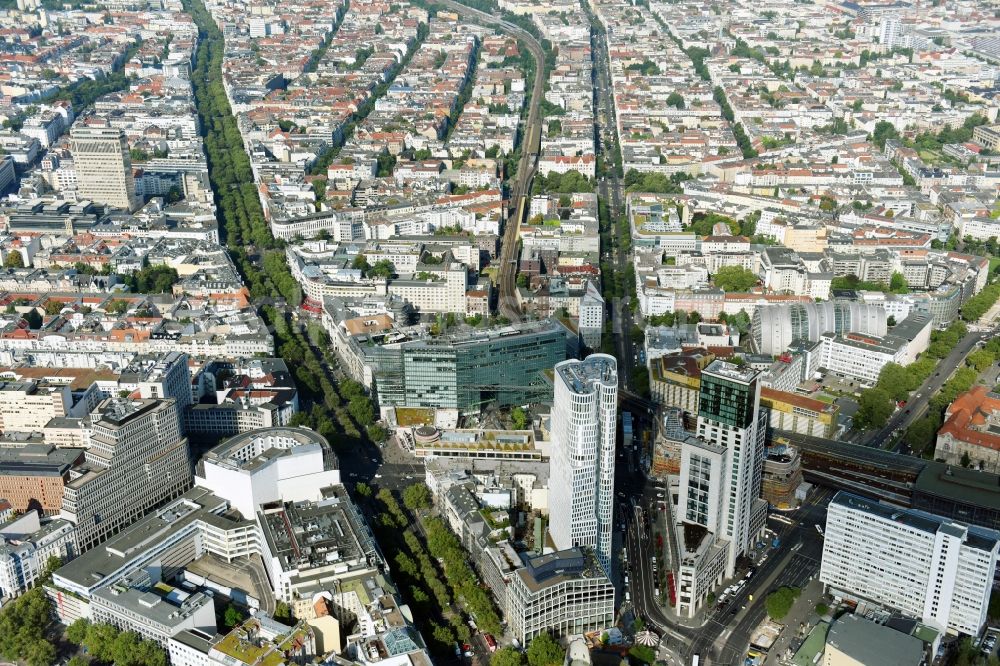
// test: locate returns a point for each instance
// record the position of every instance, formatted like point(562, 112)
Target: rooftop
point(869, 643)
point(595, 369)
point(973, 536)
point(731, 371)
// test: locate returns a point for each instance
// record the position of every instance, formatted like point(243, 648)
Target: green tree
point(283, 613)
point(884, 131)
point(875, 406)
point(125, 647)
point(13, 260)
point(363, 489)
point(545, 651)
point(518, 418)
point(233, 616)
point(735, 279)
point(506, 656)
point(100, 641)
point(897, 284)
point(77, 631)
point(780, 602)
point(980, 359)
point(675, 100)
point(896, 381)
point(383, 268)
point(416, 496)
point(39, 652)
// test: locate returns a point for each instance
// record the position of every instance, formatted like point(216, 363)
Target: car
point(378, 476)
point(819, 529)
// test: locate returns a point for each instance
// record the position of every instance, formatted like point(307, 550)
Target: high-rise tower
point(581, 479)
point(721, 469)
point(103, 166)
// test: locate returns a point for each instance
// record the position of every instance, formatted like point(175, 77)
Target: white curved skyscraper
point(582, 469)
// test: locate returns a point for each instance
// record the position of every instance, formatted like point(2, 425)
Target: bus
point(695, 660)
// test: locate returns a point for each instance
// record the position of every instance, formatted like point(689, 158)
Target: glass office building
point(471, 368)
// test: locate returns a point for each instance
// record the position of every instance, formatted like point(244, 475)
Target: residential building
point(103, 166)
point(137, 459)
point(28, 406)
point(257, 641)
point(26, 544)
point(584, 423)
point(919, 564)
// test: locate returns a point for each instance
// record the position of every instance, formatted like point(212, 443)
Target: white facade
point(267, 466)
point(720, 481)
point(914, 562)
point(26, 544)
point(729, 416)
point(581, 483)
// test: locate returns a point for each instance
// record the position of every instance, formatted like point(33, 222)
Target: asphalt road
point(917, 405)
point(790, 564)
point(521, 188)
point(610, 189)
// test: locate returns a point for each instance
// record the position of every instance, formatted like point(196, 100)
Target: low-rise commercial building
point(563, 593)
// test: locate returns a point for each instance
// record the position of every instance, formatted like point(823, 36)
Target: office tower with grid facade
point(103, 167)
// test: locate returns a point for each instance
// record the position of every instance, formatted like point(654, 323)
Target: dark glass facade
point(467, 374)
point(726, 401)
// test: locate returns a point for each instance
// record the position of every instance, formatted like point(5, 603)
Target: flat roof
point(976, 537)
point(869, 643)
point(959, 484)
point(94, 565)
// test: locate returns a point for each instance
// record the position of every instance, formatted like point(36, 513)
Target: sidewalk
point(803, 613)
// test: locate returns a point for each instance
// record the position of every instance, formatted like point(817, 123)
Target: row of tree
point(418, 577)
point(895, 382)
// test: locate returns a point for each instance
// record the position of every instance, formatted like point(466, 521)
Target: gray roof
point(873, 644)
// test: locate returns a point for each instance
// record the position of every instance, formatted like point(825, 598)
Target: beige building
point(28, 406)
point(138, 458)
point(674, 379)
point(103, 167)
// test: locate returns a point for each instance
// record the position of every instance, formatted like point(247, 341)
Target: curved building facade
point(776, 326)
